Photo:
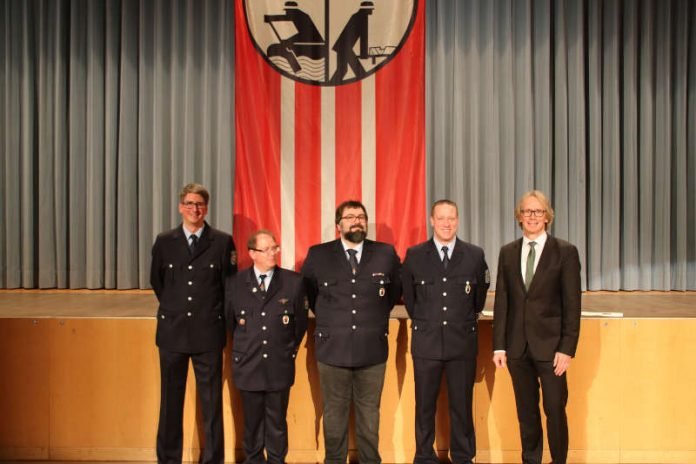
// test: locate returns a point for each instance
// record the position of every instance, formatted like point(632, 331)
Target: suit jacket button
point(162, 316)
point(354, 327)
point(265, 356)
point(189, 298)
point(188, 314)
point(263, 328)
point(171, 266)
point(444, 293)
point(190, 267)
point(444, 279)
point(444, 322)
point(190, 283)
point(265, 342)
point(444, 308)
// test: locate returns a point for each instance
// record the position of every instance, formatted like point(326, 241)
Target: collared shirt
point(538, 248)
point(449, 245)
point(188, 233)
point(349, 245)
point(267, 280)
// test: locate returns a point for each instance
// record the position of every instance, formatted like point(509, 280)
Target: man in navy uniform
point(445, 281)
point(266, 308)
point(189, 266)
point(353, 283)
point(536, 325)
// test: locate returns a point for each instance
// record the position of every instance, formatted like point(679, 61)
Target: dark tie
point(445, 257)
point(353, 260)
point(262, 285)
point(192, 245)
point(529, 271)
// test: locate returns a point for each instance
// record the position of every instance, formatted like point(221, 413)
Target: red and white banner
point(317, 124)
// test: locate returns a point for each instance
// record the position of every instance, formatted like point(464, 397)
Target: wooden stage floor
point(142, 304)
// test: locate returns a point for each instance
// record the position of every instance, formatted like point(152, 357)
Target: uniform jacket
point(352, 311)
point(444, 304)
point(266, 330)
point(547, 317)
point(190, 289)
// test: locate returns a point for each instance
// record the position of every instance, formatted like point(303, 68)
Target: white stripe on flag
point(369, 150)
point(328, 163)
point(287, 173)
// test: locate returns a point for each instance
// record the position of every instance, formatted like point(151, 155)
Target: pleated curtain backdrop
point(592, 102)
point(108, 109)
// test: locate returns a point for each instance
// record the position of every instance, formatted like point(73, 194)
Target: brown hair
point(194, 188)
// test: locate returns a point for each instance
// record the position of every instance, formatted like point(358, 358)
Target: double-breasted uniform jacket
point(352, 311)
point(547, 316)
point(266, 329)
point(190, 289)
point(444, 303)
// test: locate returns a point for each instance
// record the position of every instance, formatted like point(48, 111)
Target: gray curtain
point(593, 102)
point(107, 108)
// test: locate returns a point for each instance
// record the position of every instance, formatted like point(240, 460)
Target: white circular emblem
point(329, 42)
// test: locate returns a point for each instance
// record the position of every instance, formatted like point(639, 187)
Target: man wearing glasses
point(189, 266)
point(537, 324)
point(266, 308)
point(353, 283)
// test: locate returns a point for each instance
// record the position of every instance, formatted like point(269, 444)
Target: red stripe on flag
point(400, 139)
point(307, 169)
point(348, 142)
point(257, 122)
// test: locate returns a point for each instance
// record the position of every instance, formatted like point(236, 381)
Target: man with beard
point(445, 283)
point(353, 283)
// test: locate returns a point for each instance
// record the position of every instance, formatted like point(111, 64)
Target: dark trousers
point(363, 387)
point(460, 375)
point(170, 433)
point(265, 425)
point(526, 374)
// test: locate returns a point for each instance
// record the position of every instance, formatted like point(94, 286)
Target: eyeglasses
point(353, 217)
point(193, 204)
point(268, 251)
point(534, 212)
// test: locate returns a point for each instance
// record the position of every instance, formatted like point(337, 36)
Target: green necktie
point(529, 272)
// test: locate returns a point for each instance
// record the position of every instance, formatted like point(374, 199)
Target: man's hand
point(500, 359)
point(560, 363)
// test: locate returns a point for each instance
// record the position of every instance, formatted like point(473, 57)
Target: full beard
point(355, 236)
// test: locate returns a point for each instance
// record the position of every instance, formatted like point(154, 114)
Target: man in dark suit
point(266, 309)
point(189, 266)
point(445, 281)
point(537, 324)
point(353, 283)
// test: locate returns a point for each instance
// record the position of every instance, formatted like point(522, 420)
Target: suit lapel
point(203, 243)
point(544, 260)
point(435, 261)
point(366, 255)
point(457, 255)
point(275, 285)
point(252, 284)
point(516, 264)
point(341, 256)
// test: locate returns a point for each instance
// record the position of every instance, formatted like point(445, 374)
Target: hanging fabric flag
point(329, 107)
